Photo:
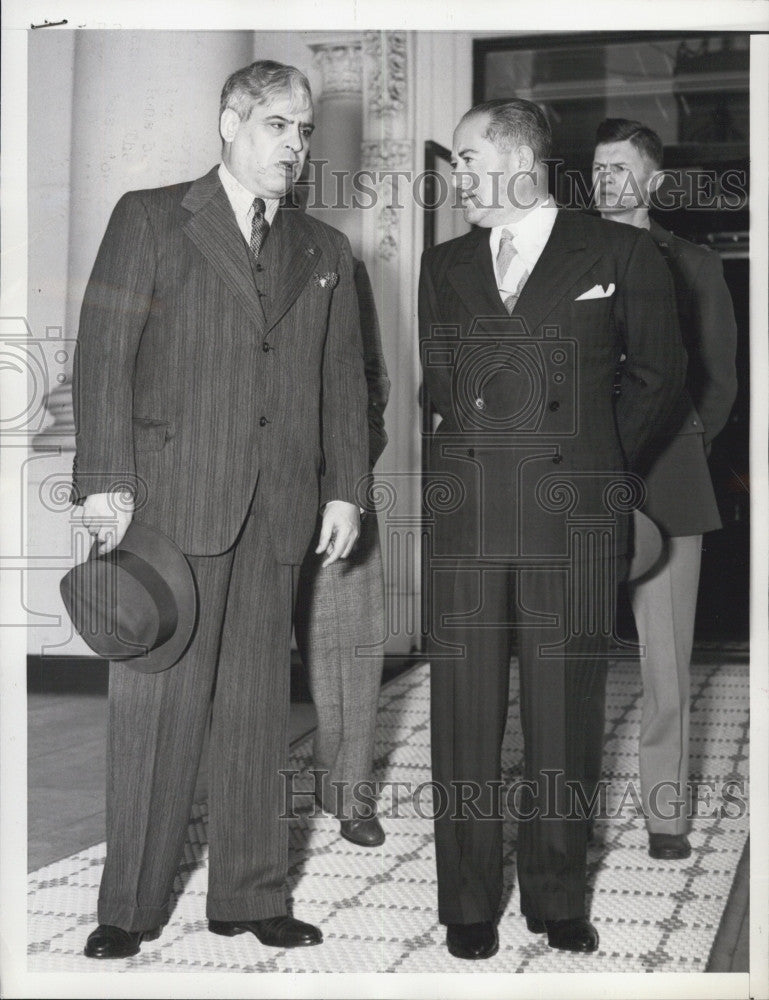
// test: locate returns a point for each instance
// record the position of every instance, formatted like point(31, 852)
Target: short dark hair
point(513, 120)
point(644, 139)
point(259, 83)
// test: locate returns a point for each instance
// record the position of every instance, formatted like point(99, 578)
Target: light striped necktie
point(259, 227)
point(505, 256)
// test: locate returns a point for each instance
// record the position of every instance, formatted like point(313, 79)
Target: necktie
point(505, 256)
point(259, 227)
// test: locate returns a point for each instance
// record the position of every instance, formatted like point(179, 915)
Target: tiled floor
point(66, 797)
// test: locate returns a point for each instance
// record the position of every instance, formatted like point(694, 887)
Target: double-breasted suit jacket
point(680, 496)
point(190, 384)
point(527, 400)
point(525, 502)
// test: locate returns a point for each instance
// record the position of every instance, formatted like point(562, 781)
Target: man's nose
point(295, 140)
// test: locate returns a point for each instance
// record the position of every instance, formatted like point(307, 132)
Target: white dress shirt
point(530, 234)
point(242, 201)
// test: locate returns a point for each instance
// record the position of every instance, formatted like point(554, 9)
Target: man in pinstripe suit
point(522, 323)
point(220, 375)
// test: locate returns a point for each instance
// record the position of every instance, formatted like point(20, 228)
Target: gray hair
point(259, 83)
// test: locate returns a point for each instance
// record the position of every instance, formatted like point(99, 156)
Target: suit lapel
point(290, 256)
point(565, 257)
point(213, 229)
point(472, 276)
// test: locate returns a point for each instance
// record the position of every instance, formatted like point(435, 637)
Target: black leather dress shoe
point(108, 941)
point(365, 832)
point(669, 846)
point(576, 934)
point(277, 932)
point(472, 940)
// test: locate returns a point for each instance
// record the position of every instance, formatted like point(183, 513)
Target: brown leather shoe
point(275, 932)
point(365, 832)
point(472, 941)
point(669, 846)
point(108, 941)
point(576, 934)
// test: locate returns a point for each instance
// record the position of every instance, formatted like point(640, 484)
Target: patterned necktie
point(259, 227)
point(505, 256)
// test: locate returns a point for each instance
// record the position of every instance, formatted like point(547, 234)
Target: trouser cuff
point(131, 918)
point(560, 907)
point(254, 908)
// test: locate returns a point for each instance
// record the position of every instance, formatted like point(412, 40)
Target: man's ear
point(229, 123)
point(523, 158)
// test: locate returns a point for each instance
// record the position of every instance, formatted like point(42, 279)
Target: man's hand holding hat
point(107, 516)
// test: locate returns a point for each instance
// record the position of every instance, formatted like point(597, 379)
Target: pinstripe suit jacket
point(529, 416)
point(193, 379)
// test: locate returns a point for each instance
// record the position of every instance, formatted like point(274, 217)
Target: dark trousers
point(237, 672)
point(478, 610)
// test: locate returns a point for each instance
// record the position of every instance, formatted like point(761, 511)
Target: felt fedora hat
point(137, 603)
point(648, 546)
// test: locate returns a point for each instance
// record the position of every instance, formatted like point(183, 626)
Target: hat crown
point(137, 603)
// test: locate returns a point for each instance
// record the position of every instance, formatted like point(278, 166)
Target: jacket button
point(480, 403)
point(557, 459)
point(555, 405)
point(265, 346)
point(263, 421)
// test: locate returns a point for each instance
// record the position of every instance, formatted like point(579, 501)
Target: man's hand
point(107, 516)
point(339, 529)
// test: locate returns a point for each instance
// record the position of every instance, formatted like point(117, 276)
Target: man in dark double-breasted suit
point(680, 502)
point(523, 322)
point(220, 383)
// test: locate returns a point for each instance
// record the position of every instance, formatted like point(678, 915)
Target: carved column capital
point(341, 67)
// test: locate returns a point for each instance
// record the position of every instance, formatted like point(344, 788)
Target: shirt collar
point(242, 199)
point(531, 232)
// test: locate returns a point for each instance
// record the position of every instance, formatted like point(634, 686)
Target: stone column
point(392, 258)
point(336, 144)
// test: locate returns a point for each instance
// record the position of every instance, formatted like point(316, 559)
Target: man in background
point(680, 502)
point(340, 626)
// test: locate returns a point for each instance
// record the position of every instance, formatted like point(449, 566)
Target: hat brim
point(157, 549)
point(648, 547)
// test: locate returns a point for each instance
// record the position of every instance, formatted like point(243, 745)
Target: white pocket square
point(596, 292)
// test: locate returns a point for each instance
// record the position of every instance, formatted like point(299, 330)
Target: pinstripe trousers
point(236, 671)
point(340, 630)
point(562, 719)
